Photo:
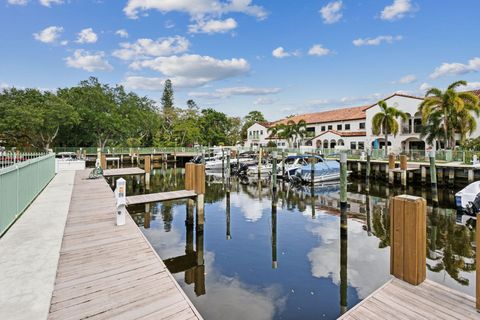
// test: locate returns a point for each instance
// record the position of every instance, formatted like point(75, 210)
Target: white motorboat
point(218, 164)
point(467, 200)
point(323, 171)
point(265, 169)
point(291, 163)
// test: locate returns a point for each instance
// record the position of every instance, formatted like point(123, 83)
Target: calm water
point(265, 257)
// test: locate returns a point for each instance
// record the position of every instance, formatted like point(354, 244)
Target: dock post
point(228, 166)
point(451, 176)
point(423, 170)
point(403, 178)
point(274, 171)
point(103, 161)
point(343, 233)
point(368, 169)
point(223, 163)
point(312, 171)
point(274, 230)
point(148, 169)
point(199, 182)
point(391, 161)
point(440, 175)
point(283, 163)
point(190, 185)
point(121, 195)
point(471, 175)
point(408, 261)
point(433, 178)
point(237, 154)
point(359, 168)
point(259, 162)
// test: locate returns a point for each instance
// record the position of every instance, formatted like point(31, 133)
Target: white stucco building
point(351, 128)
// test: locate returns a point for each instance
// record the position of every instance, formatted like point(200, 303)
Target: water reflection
point(292, 253)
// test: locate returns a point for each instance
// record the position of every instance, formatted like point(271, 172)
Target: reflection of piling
point(274, 231)
point(343, 233)
point(408, 238)
point(391, 166)
point(229, 236)
point(147, 216)
point(433, 178)
point(343, 179)
point(312, 200)
point(369, 214)
point(200, 269)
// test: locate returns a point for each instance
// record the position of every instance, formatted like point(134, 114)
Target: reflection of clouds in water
point(252, 209)
point(167, 244)
point(229, 298)
point(368, 266)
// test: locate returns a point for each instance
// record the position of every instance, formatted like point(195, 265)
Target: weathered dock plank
point(400, 300)
point(161, 196)
point(111, 272)
point(123, 172)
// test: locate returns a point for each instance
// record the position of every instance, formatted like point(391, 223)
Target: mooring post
point(343, 233)
point(259, 162)
point(312, 171)
point(451, 176)
point(274, 171)
point(199, 182)
point(238, 159)
point(283, 164)
point(367, 169)
point(433, 178)
point(408, 233)
point(190, 185)
point(223, 163)
point(121, 195)
point(103, 161)
point(148, 169)
point(423, 171)
point(274, 230)
point(228, 166)
point(471, 175)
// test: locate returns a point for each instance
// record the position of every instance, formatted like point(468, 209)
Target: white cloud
point(48, 3)
point(235, 91)
point(144, 83)
point(264, 101)
point(145, 48)
point(425, 86)
point(195, 8)
point(87, 36)
point(397, 10)
point(281, 53)
point(332, 12)
point(319, 50)
point(85, 60)
point(194, 70)
point(213, 26)
point(473, 65)
point(409, 78)
point(122, 33)
point(470, 86)
point(17, 2)
point(48, 35)
point(376, 41)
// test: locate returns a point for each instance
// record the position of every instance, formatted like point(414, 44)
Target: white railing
point(10, 158)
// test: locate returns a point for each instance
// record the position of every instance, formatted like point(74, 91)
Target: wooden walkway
point(400, 300)
point(123, 172)
point(111, 272)
point(161, 196)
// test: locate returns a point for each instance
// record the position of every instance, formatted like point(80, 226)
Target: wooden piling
point(451, 176)
point(408, 230)
point(223, 163)
point(274, 231)
point(403, 162)
point(343, 179)
point(189, 176)
point(343, 233)
point(274, 172)
point(259, 162)
point(368, 169)
point(471, 175)
point(391, 161)
point(312, 171)
point(199, 182)
point(423, 170)
point(103, 161)
point(283, 163)
point(433, 178)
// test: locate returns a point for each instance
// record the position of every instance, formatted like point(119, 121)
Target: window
point(361, 145)
point(361, 125)
point(261, 132)
point(347, 126)
point(339, 127)
point(330, 127)
point(323, 128)
point(250, 133)
point(353, 145)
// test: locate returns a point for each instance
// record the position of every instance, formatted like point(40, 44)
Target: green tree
point(251, 118)
point(214, 126)
point(299, 130)
point(450, 110)
point(167, 97)
point(385, 122)
point(33, 117)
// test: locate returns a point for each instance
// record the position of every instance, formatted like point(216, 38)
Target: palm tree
point(386, 121)
point(451, 110)
point(299, 130)
point(275, 131)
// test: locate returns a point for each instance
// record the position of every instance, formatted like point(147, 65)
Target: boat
point(467, 200)
point(292, 163)
point(323, 171)
point(265, 169)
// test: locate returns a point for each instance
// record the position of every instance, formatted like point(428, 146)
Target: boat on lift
point(467, 200)
point(291, 164)
point(323, 171)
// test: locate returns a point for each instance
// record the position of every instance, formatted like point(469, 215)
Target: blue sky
point(279, 57)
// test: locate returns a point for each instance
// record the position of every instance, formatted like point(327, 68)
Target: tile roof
point(354, 113)
point(344, 133)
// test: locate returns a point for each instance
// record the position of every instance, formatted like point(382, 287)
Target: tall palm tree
point(385, 122)
point(451, 110)
point(299, 130)
point(274, 131)
point(287, 132)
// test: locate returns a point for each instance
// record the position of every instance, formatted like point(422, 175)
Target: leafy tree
point(235, 130)
point(299, 130)
point(385, 122)
point(450, 110)
point(214, 127)
point(33, 117)
point(167, 97)
point(251, 118)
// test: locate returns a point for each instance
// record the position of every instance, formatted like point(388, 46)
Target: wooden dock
point(400, 300)
point(161, 196)
point(123, 172)
point(111, 272)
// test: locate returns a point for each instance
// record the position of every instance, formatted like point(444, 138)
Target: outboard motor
point(197, 159)
point(473, 207)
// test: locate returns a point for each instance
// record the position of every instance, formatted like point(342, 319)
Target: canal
point(280, 256)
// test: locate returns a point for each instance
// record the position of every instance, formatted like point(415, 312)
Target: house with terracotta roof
point(257, 135)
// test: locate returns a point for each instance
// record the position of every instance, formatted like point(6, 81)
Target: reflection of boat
point(467, 200)
point(323, 171)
